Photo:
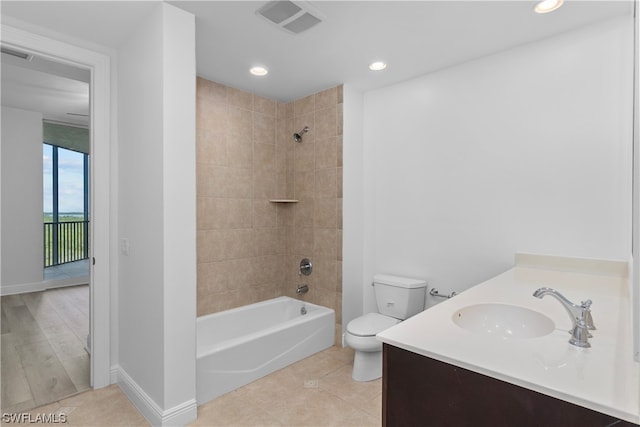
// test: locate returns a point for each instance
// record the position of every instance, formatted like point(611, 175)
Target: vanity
point(494, 355)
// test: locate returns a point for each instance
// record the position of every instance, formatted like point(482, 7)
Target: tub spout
point(302, 289)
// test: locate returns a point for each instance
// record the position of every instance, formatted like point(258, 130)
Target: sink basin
point(502, 320)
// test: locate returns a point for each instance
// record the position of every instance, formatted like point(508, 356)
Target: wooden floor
point(43, 352)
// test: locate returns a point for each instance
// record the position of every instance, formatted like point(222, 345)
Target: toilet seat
point(370, 324)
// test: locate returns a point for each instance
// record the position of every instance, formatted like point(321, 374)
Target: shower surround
point(249, 248)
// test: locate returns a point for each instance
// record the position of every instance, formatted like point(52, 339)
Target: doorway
point(45, 333)
point(98, 65)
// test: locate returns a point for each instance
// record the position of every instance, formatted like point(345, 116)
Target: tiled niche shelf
point(283, 201)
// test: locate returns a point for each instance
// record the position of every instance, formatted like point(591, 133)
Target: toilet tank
point(399, 297)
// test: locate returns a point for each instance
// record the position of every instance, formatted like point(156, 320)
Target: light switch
point(124, 246)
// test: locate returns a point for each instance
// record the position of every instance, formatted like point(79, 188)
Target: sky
point(70, 177)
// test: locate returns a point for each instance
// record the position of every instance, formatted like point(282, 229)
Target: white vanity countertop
point(604, 377)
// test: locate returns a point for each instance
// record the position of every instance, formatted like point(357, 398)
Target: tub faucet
point(302, 289)
point(580, 316)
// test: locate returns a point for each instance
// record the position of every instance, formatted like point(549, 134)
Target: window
point(66, 205)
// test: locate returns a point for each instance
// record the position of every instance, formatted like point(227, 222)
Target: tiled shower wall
point(240, 252)
point(316, 231)
point(249, 248)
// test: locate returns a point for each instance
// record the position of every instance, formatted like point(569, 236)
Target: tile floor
point(317, 391)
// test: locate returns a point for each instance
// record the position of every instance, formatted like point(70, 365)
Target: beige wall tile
point(211, 147)
point(240, 98)
point(239, 152)
point(212, 278)
point(327, 98)
point(264, 158)
point(284, 109)
point(303, 241)
point(239, 243)
point(264, 213)
point(304, 184)
point(264, 105)
point(211, 246)
point(239, 213)
point(239, 183)
point(209, 213)
point(265, 239)
point(325, 212)
point(264, 129)
point(284, 132)
point(304, 156)
point(264, 184)
point(285, 215)
point(211, 180)
point(304, 213)
point(212, 90)
point(303, 106)
point(212, 115)
point(326, 123)
point(324, 242)
point(326, 153)
point(240, 123)
point(326, 182)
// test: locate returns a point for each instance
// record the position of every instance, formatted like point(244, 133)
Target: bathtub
point(241, 345)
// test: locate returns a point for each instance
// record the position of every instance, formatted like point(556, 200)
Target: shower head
point(297, 137)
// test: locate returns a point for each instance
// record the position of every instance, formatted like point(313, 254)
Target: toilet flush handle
point(391, 304)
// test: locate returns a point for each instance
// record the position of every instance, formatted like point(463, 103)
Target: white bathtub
point(238, 346)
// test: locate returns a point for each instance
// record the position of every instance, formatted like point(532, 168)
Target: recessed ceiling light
point(259, 71)
point(377, 66)
point(547, 6)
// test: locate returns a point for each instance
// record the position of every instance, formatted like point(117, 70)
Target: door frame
point(99, 64)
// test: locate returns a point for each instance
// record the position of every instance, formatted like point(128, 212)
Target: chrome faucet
point(302, 289)
point(580, 316)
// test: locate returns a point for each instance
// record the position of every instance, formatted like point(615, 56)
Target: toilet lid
point(370, 324)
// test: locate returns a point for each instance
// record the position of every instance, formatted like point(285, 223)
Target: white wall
point(156, 149)
point(527, 150)
point(635, 265)
point(22, 232)
point(179, 198)
point(353, 243)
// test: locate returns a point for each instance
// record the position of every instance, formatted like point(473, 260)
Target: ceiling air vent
point(16, 53)
point(291, 16)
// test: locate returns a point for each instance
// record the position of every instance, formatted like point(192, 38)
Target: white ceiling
point(414, 37)
point(59, 92)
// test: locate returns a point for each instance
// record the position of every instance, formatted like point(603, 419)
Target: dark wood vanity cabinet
point(419, 391)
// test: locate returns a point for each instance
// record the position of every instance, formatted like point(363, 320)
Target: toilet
point(398, 298)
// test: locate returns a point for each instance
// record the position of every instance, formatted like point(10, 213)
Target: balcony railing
point(65, 242)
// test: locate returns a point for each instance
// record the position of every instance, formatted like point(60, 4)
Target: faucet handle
point(580, 334)
point(586, 315)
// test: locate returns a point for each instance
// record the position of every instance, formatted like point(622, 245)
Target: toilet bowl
point(361, 336)
point(398, 298)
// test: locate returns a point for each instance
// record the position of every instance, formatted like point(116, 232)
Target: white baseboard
point(179, 415)
point(24, 288)
point(60, 283)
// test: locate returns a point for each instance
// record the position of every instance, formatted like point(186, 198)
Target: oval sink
point(508, 321)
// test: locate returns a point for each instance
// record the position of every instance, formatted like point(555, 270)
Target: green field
point(64, 217)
